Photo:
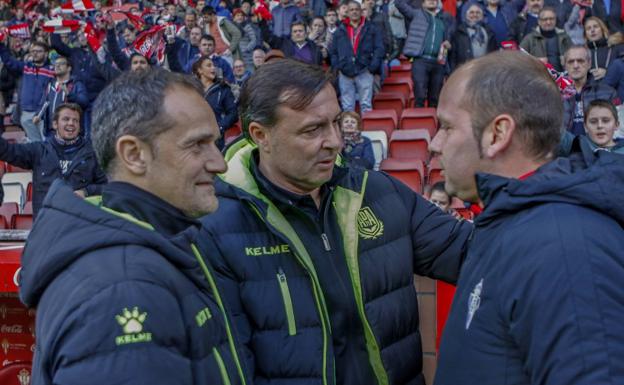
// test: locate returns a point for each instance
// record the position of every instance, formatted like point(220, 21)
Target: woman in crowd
point(218, 94)
point(358, 149)
point(248, 37)
point(319, 35)
point(472, 39)
point(604, 48)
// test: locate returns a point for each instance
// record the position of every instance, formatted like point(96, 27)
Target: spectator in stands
point(226, 35)
point(615, 77)
point(84, 68)
point(526, 21)
point(284, 14)
point(298, 46)
point(547, 42)
point(190, 22)
point(357, 149)
point(36, 75)
point(397, 27)
point(63, 89)
point(499, 17)
point(331, 20)
point(183, 53)
point(123, 263)
point(601, 123)
point(428, 39)
point(218, 94)
point(317, 32)
point(340, 243)
point(241, 74)
point(67, 155)
point(259, 55)
point(563, 9)
point(5, 11)
point(206, 48)
point(248, 41)
point(577, 63)
point(574, 25)
point(548, 244)
point(603, 48)
point(610, 12)
point(356, 53)
point(439, 197)
point(472, 38)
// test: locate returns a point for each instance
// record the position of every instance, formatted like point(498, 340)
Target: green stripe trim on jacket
point(228, 329)
point(238, 174)
point(347, 204)
point(221, 365)
point(97, 201)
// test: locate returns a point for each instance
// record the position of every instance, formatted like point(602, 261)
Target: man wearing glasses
point(64, 89)
point(36, 74)
point(546, 42)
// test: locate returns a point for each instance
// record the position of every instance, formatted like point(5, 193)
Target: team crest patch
point(131, 322)
point(369, 226)
point(474, 301)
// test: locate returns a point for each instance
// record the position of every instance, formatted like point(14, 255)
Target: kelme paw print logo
point(131, 322)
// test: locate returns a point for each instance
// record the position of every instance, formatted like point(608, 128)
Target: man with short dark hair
point(298, 46)
point(36, 75)
point(356, 52)
point(539, 295)
point(66, 155)
point(115, 278)
point(547, 42)
point(317, 260)
point(226, 34)
point(577, 61)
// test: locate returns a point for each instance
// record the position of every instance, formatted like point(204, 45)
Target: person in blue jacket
point(122, 294)
point(317, 260)
point(65, 155)
point(36, 75)
point(539, 298)
point(218, 94)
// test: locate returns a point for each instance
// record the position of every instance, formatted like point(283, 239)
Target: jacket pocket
point(288, 307)
point(224, 374)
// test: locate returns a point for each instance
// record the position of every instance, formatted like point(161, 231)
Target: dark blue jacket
point(360, 154)
point(283, 17)
point(369, 56)
point(76, 93)
point(34, 79)
point(274, 274)
point(182, 55)
point(223, 103)
point(615, 77)
point(120, 303)
point(539, 299)
point(47, 159)
point(592, 90)
point(84, 66)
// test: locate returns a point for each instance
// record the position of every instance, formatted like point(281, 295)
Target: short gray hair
point(577, 46)
point(133, 105)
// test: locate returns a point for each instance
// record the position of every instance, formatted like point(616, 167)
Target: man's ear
point(54, 124)
point(497, 136)
point(133, 154)
point(260, 135)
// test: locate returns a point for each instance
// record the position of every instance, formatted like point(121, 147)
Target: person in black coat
point(67, 155)
point(297, 46)
point(218, 94)
point(472, 38)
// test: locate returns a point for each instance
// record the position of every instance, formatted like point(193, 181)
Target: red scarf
point(354, 34)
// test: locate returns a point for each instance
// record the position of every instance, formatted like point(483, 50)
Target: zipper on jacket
point(325, 242)
point(221, 365)
point(288, 306)
point(228, 329)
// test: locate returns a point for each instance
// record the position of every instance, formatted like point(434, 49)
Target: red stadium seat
point(28, 208)
point(380, 120)
point(401, 71)
point(8, 210)
point(14, 136)
point(410, 171)
point(390, 100)
point(410, 144)
point(22, 221)
point(29, 192)
point(422, 117)
point(434, 173)
point(401, 85)
point(16, 373)
point(12, 168)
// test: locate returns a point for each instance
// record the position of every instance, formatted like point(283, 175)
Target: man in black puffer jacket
point(66, 155)
point(317, 261)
